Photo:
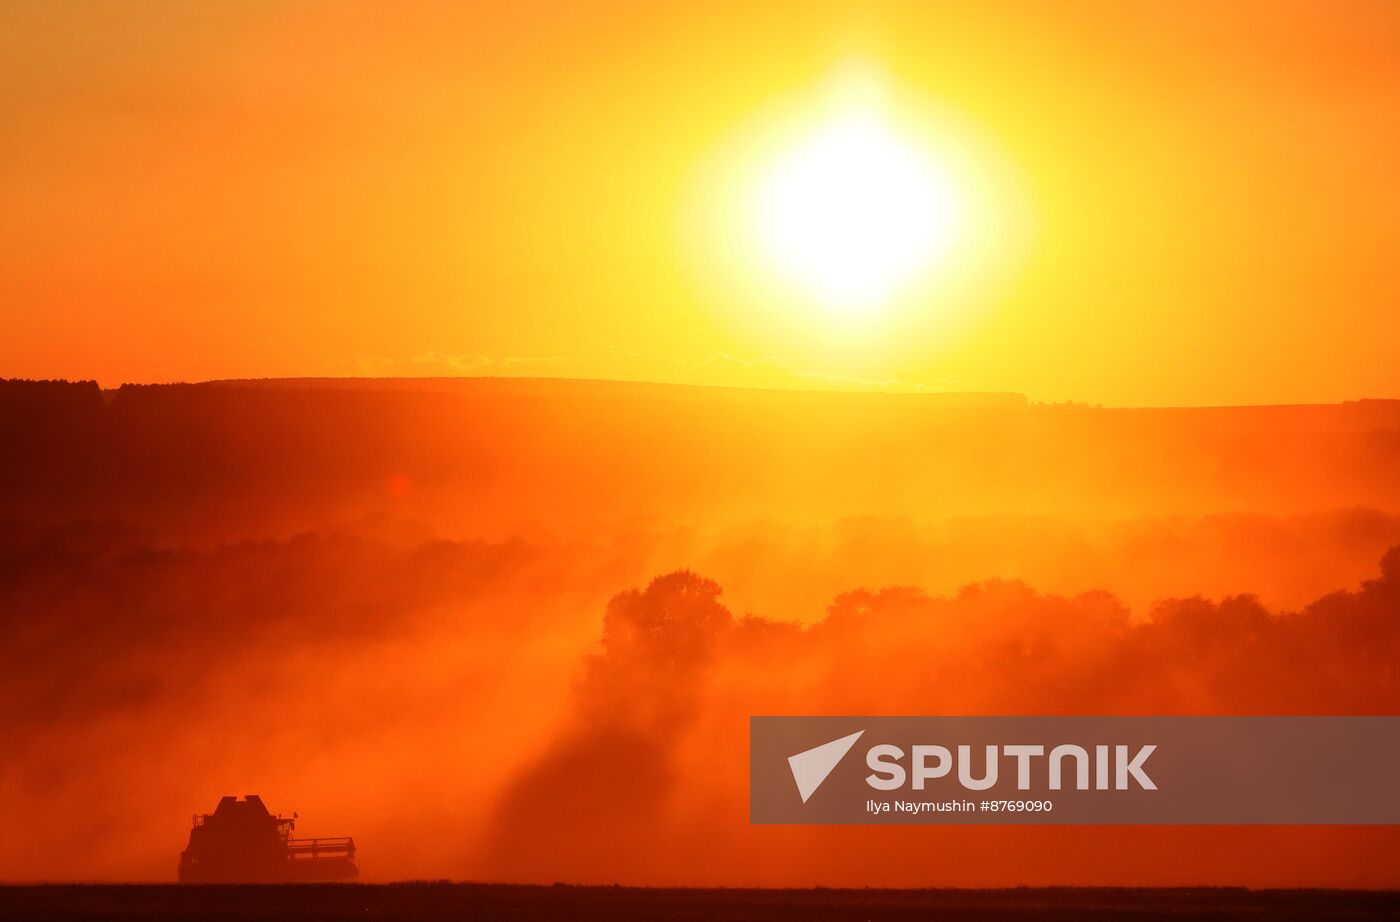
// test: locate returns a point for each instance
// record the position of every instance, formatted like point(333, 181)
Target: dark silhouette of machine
point(241, 842)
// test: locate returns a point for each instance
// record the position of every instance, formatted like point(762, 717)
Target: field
point(431, 901)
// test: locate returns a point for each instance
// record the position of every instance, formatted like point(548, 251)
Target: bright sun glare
point(855, 211)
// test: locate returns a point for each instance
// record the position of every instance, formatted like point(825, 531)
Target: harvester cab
point(242, 842)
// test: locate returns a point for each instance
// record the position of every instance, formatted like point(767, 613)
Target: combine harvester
point(241, 842)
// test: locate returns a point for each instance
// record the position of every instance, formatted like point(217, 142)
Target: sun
point(855, 210)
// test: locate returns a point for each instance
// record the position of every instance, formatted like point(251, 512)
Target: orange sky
point(1184, 203)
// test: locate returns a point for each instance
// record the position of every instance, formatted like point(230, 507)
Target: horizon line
point(1011, 397)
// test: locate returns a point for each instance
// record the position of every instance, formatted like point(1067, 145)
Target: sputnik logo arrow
point(810, 767)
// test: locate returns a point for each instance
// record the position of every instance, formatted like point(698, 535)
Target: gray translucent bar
point(1107, 770)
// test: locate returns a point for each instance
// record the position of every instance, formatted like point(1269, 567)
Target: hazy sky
point(1165, 203)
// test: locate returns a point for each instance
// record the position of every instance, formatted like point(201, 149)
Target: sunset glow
point(1016, 197)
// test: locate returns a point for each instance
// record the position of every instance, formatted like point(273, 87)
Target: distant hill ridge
point(541, 386)
point(70, 395)
point(240, 457)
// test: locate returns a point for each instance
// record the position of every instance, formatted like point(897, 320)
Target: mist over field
point(514, 629)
